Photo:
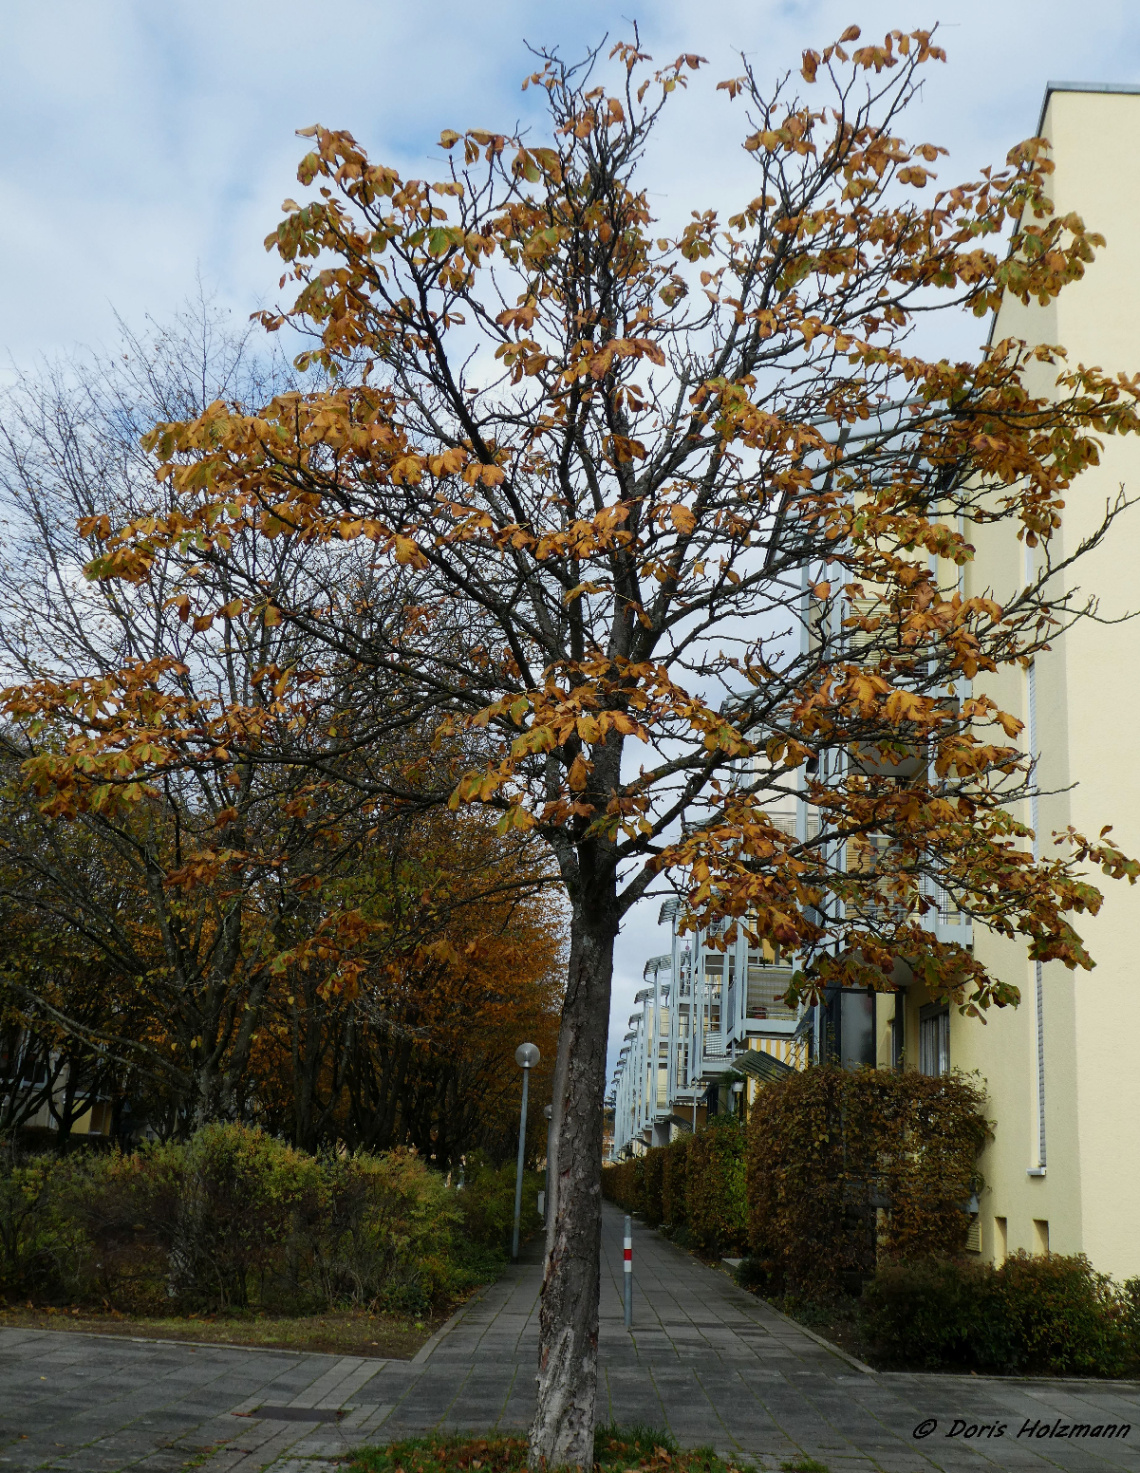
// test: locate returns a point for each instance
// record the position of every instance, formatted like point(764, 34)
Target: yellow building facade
point(1063, 1070)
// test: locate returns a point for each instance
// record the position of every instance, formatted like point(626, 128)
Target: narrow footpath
point(706, 1360)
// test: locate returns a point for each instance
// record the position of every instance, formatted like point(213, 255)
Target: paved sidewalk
point(710, 1362)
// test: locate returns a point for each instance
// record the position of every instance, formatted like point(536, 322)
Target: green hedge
point(716, 1211)
point(695, 1184)
point(675, 1182)
point(233, 1219)
point(1050, 1314)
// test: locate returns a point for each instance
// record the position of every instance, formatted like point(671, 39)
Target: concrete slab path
point(710, 1362)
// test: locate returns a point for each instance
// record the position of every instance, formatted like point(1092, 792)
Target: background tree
point(455, 952)
point(155, 935)
point(659, 527)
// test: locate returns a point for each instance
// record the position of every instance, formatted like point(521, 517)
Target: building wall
point(1088, 737)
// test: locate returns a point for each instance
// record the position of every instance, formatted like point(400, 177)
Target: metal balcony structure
point(702, 1009)
point(708, 1005)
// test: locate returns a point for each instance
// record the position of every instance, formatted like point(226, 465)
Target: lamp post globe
point(526, 1057)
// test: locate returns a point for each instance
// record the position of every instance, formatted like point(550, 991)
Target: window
point(1040, 1236)
point(934, 1040)
point(974, 1234)
point(1001, 1240)
point(857, 1028)
point(897, 1034)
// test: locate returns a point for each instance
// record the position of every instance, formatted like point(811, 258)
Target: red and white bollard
point(627, 1254)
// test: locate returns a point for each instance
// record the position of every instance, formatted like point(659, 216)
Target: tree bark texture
point(563, 1430)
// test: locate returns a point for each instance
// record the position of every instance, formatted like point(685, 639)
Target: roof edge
point(1051, 87)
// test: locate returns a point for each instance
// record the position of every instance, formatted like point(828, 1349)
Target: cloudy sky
point(150, 142)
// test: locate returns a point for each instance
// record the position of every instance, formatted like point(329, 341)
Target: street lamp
point(526, 1057)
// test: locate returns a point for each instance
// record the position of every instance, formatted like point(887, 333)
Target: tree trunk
point(563, 1430)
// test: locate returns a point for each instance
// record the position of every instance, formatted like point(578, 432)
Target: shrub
point(1050, 1314)
point(233, 1219)
point(225, 1204)
point(378, 1230)
point(695, 1185)
point(38, 1243)
point(621, 1185)
point(936, 1315)
point(847, 1168)
point(1131, 1298)
point(752, 1275)
point(1064, 1316)
point(675, 1182)
point(125, 1208)
point(716, 1206)
point(487, 1203)
point(652, 1164)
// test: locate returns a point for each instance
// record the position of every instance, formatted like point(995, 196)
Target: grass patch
point(348, 1332)
point(615, 1448)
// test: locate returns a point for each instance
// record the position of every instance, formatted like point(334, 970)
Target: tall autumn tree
point(674, 519)
point(454, 952)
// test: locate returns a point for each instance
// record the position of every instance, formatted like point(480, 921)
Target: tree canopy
point(248, 939)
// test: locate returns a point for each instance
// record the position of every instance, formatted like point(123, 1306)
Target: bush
point(716, 1206)
point(224, 1207)
point(1051, 1314)
point(378, 1230)
point(487, 1204)
point(1066, 1317)
point(621, 1184)
point(652, 1164)
point(232, 1220)
point(675, 1182)
point(695, 1186)
point(38, 1242)
point(848, 1169)
point(936, 1315)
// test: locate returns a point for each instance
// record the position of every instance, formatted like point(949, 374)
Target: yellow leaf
point(408, 552)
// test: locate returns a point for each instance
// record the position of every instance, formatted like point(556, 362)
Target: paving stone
point(712, 1363)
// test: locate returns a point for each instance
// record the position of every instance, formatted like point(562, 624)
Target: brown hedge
point(849, 1169)
point(621, 1184)
point(838, 1173)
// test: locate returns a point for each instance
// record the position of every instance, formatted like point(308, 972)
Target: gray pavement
point(713, 1364)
